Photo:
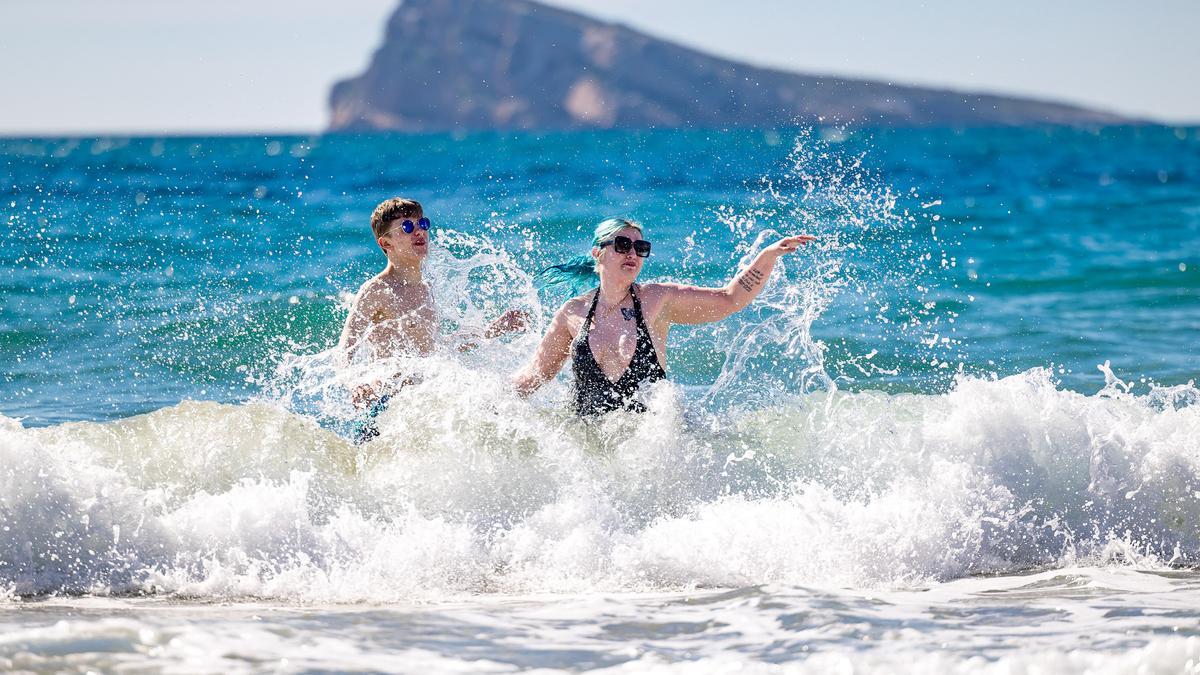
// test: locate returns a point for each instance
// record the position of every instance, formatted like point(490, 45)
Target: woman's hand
point(789, 244)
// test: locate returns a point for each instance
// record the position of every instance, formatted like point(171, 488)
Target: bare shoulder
point(374, 296)
point(659, 289)
point(657, 297)
point(374, 285)
point(571, 315)
point(371, 290)
point(656, 294)
point(576, 306)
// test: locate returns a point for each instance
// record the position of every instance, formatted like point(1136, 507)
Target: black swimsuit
point(595, 394)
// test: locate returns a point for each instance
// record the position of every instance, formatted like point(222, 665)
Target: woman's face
point(619, 266)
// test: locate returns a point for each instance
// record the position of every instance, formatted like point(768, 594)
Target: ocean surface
point(959, 433)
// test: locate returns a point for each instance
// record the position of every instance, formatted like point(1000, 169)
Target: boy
point(393, 313)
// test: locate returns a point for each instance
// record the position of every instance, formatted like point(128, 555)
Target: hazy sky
point(86, 66)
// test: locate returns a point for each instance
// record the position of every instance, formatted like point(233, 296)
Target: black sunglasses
point(622, 245)
point(408, 226)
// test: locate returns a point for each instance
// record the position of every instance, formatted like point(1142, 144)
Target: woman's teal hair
point(579, 273)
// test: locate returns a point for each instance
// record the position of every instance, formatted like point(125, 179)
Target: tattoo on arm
point(750, 279)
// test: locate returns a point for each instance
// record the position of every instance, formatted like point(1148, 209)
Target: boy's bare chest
point(410, 312)
point(405, 302)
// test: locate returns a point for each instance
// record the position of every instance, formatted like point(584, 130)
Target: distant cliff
point(515, 64)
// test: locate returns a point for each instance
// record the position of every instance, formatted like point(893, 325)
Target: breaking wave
point(471, 490)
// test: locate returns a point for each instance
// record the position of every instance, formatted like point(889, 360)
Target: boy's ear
point(381, 241)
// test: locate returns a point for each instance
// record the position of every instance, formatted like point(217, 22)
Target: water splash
point(872, 253)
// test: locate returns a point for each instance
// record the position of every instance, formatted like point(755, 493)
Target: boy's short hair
point(393, 209)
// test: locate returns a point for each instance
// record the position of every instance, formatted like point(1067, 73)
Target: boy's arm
point(358, 322)
point(356, 326)
point(512, 321)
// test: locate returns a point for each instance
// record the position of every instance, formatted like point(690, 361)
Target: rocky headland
point(516, 64)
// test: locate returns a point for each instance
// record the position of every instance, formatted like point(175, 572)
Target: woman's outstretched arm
point(550, 356)
point(693, 304)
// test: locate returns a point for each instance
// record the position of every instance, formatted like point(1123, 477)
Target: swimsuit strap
point(637, 312)
point(587, 322)
point(645, 356)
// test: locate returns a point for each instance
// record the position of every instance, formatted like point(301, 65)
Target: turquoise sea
point(961, 432)
point(141, 272)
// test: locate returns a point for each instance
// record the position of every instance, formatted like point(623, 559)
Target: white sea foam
point(1071, 620)
point(471, 490)
point(1165, 656)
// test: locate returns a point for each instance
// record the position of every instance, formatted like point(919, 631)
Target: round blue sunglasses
point(408, 226)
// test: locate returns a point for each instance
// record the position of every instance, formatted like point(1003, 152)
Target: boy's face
point(403, 245)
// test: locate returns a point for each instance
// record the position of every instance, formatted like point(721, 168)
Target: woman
point(616, 336)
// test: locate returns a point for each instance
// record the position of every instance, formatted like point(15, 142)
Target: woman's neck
point(613, 293)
